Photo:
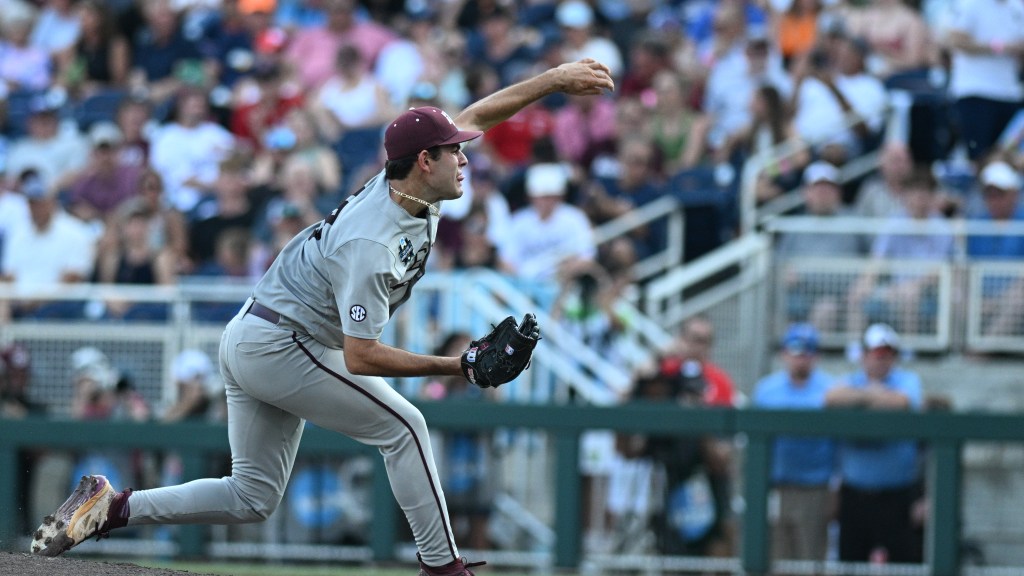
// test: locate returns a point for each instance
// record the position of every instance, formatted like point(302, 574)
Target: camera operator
point(694, 518)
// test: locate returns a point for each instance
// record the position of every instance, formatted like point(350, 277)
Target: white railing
point(972, 303)
point(751, 214)
point(665, 295)
point(924, 323)
point(671, 256)
point(959, 228)
point(441, 303)
point(794, 199)
point(995, 307)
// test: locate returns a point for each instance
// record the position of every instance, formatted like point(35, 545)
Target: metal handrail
point(665, 207)
point(795, 198)
point(569, 346)
point(859, 225)
point(675, 282)
point(487, 295)
point(551, 352)
point(753, 167)
point(191, 290)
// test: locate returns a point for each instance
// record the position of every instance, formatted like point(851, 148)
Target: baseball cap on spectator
point(821, 171)
point(1000, 175)
point(800, 339)
point(574, 14)
point(91, 364)
point(43, 104)
point(190, 364)
point(546, 179)
point(881, 336)
point(17, 16)
point(105, 134)
point(419, 129)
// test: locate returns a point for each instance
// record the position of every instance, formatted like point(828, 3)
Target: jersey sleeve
point(361, 271)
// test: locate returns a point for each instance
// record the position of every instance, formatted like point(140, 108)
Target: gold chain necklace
point(430, 207)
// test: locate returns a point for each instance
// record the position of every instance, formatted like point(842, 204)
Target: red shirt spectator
point(513, 139)
point(269, 108)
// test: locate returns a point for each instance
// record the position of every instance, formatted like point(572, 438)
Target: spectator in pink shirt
point(313, 50)
point(583, 128)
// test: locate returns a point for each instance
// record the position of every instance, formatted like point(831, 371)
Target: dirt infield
point(20, 564)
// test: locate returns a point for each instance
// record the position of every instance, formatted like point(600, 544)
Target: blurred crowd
point(146, 142)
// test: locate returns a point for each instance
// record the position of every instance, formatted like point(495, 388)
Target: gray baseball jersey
point(348, 273)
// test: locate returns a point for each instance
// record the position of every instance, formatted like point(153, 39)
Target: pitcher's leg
point(264, 440)
point(368, 410)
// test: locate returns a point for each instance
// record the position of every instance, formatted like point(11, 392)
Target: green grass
point(228, 569)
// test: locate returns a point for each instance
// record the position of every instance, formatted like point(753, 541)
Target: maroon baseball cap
point(422, 128)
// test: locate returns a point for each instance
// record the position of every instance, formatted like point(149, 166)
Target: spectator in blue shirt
point(878, 477)
point(1000, 191)
point(801, 467)
point(163, 59)
point(1001, 294)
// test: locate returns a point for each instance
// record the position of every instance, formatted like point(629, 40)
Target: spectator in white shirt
point(548, 234)
point(57, 28)
point(829, 93)
point(987, 41)
point(187, 152)
point(733, 82)
point(56, 151)
point(54, 248)
point(577, 19)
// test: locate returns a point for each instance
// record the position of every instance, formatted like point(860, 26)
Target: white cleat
point(81, 516)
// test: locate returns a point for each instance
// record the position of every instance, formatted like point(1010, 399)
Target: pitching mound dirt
point(19, 564)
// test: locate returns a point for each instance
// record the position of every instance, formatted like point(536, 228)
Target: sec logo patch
point(357, 313)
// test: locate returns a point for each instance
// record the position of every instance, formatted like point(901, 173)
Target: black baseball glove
point(503, 354)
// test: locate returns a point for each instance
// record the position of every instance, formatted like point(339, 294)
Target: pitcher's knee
point(405, 430)
point(259, 499)
point(417, 423)
point(263, 511)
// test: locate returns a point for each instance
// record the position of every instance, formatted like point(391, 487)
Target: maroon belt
point(260, 311)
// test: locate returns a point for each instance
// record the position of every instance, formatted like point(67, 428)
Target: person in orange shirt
point(797, 29)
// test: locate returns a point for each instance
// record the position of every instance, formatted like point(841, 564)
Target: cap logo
point(447, 117)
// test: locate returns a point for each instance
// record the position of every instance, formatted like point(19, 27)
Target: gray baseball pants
point(275, 380)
